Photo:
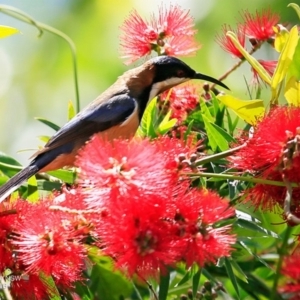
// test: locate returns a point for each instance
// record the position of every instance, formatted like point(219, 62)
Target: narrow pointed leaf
point(164, 286)
point(296, 8)
point(292, 92)
point(251, 60)
point(215, 138)
point(285, 58)
point(64, 175)
point(238, 271)
point(231, 276)
point(6, 31)
point(196, 280)
point(147, 127)
point(250, 111)
point(294, 68)
point(71, 111)
point(48, 123)
point(32, 191)
point(166, 124)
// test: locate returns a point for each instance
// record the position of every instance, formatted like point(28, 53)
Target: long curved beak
point(210, 79)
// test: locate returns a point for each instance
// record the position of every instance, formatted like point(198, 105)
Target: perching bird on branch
point(117, 112)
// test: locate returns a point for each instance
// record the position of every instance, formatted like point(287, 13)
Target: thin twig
point(237, 65)
point(240, 178)
point(218, 156)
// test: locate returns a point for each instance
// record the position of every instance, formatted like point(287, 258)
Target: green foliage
point(249, 272)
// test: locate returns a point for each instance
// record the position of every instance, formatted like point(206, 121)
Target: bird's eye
point(180, 73)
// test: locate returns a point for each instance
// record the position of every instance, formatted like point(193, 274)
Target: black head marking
point(168, 67)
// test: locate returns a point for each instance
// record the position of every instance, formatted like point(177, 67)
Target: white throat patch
point(159, 87)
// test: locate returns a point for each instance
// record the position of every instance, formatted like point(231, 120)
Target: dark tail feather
point(16, 181)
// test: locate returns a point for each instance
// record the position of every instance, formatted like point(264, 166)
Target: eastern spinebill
point(116, 113)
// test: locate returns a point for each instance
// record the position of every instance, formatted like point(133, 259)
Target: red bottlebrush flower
point(174, 22)
point(137, 236)
point(122, 167)
point(266, 150)
point(225, 42)
point(269, 66)
point(182, 99)
point(169, 34)
point(138, 37)
point(195, 213)
point(291, 271)
point(30, 286)
point(47, 243)
point(271, 152)
point(260, 26)
point(180, 46)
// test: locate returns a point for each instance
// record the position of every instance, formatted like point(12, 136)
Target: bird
point(116, 113)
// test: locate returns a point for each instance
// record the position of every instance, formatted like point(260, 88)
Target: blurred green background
point(36, 75)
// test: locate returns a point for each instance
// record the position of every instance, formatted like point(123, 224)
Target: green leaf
point(238, 272)
point(255, 227)
point(6, 31)
point(250, 111)
point(285, 58)
point(294, 68)
point(187, 276)
point(166, 124)
point(107, 284)
point(244, 245)
point(32, 191)
point(196, 280)
point(215, 137)
point(8, 165)
point(44, 138)
point(164, 286)
point(188, 130)
point(251, 60)
point(64, 175)
point(292, 92)
point(49, 186)
point(48, 123)
point(146, 127)
point(296, 8)
point(231, 275)
point(71, 111)
point(205, 111)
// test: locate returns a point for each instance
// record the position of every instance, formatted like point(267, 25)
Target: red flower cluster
point(182, 100)
point(260, 26)
point(34, 241)
point(148, 221)
point(291, 271)
point(226, 43)
point(257, 28)
point(129, 204)
point(169, 34)
point(273, 151)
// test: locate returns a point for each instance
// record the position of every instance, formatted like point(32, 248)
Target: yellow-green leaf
point(6, 31)
point(71, 111)
point(281, 37)
point(296, 8)
point(285, 58)
point(251, 60)
point(32, 192)
point(250, 111)
point(166, 124)
point(292, 92)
